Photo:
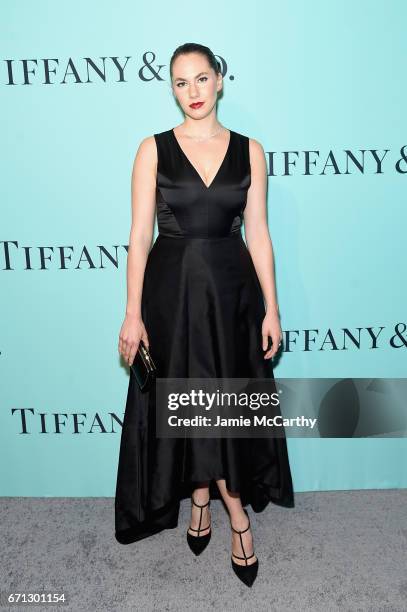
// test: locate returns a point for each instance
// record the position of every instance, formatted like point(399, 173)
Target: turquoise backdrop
point(323, 81)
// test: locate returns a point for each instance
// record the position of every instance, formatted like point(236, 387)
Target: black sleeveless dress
point(202, 306)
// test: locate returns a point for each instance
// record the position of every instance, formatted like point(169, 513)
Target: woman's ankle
point(239, 519)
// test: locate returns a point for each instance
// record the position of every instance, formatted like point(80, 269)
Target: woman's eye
point(200, 79)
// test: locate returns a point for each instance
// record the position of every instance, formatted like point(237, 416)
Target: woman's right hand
point(131, 332)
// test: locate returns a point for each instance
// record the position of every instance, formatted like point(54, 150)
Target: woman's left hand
point(271, 327)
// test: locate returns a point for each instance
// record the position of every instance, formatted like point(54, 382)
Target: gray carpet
point(335, 550)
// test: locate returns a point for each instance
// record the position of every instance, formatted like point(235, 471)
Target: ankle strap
point(248, 526)
point(243, 531)
point(198, 505)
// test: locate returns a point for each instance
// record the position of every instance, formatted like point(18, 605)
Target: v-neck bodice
point(194, 168)
point(186, 206)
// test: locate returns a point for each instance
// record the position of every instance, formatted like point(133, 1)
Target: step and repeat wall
point(322, 86)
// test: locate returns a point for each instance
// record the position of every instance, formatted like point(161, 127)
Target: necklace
point(200, 138)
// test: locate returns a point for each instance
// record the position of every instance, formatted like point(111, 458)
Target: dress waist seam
point(189, 237)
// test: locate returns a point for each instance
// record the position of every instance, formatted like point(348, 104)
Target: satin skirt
point(203, 309)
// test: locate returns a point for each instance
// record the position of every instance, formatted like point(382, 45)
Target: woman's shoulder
point(162, 134)
point(155, 147)
point(252, 141)
point(152, 142)
point(147, 150)
point(255, 146)
point(149, 141)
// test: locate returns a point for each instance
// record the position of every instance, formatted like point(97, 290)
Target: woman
point(197, 301)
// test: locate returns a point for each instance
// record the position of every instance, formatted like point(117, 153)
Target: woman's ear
point(220, 83)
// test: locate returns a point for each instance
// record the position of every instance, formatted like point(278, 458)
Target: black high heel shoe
point(198, 543)
point(247, 573)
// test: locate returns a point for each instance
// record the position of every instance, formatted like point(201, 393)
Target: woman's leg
point(200, 496)
point(238, 520)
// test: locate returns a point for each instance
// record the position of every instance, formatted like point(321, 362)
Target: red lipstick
point(196, 105)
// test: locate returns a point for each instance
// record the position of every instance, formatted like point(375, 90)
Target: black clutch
point(143, 367)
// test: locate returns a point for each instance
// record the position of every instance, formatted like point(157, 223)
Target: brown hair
point(196, 48)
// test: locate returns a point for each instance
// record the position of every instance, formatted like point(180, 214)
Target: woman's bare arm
point(259, 243)
point(143, 186)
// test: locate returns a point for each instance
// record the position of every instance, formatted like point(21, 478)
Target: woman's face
point(194, 80)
